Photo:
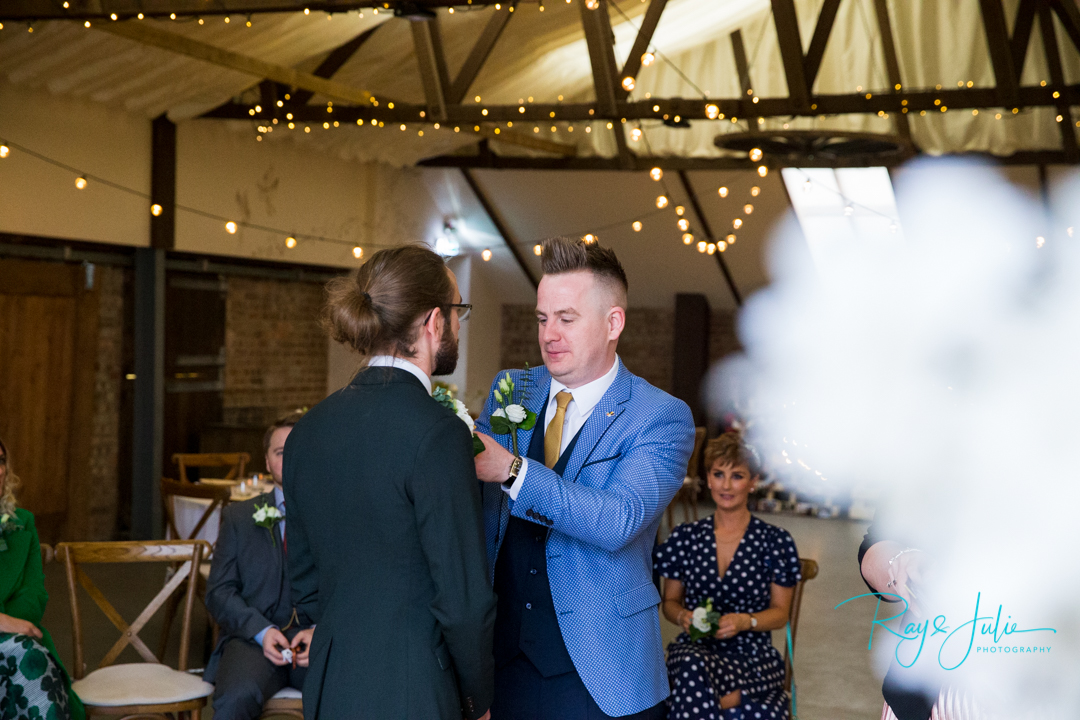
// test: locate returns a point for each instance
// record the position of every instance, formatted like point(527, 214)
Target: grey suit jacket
point(248, 587)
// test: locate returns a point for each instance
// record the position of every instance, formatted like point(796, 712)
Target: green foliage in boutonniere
point(267, 516)
point(445, 397)
point(8, 524)
point(511, 414)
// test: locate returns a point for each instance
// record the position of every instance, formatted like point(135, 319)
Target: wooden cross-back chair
point(142, 689)
point(47, 554)
point(809, 570)
point(234, 464)
point(687, 496)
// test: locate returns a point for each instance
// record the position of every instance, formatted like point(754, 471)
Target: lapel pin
point(612, 412)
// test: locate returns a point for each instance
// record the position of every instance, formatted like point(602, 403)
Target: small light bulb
point(635, 134)
point(661, 202)
point(538, 250)
point(628, 83)
point(4, 150)
point(722, 192)
point(647, 59)
point(486, 254)
point(755, 154)
point(701, 246)
point(637, 226)
point(687, 238)
point(230, 227)
point(589, 238)
point(807, 186)
point(80, 182)
point(748, 208)
point(762, 170)
point(849, 210)
point(710, 248)
point(712, 111)
point(755, 191)
point(656, 173)
point(680, 210)
point(736, 223)
point(592, 4)
point(290, 242)
point(730, 240)
point(684, 224)
point(156, 210)
point(1040, 241)
point(358, 252)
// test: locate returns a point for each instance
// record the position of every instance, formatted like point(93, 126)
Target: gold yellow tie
point(553, 436)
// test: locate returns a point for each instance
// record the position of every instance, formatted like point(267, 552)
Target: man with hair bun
point(571, 523)
point(385, 538)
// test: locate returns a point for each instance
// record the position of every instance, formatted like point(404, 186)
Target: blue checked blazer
point(629, 461)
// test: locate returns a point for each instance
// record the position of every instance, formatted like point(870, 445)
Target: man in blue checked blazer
point(571, 520)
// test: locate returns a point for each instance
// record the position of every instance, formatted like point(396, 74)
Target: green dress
point(33, 681)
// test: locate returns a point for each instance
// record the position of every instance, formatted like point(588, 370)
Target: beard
point(447, 355)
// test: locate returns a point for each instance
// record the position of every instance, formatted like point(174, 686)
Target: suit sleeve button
point(528, 606)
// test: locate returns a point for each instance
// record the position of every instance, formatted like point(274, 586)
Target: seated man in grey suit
point(250, 598)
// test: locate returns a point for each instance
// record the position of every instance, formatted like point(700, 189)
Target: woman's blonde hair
point(11, 484)
point(730, 449)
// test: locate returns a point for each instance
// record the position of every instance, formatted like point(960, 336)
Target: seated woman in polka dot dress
point(749, 568)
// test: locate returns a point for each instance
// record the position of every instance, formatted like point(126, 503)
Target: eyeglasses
point(463, 311)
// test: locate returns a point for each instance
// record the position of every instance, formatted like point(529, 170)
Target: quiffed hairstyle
point(567, 255)
point(375, 309)
point(282, 422)
point(11, 484)
point(730, 449)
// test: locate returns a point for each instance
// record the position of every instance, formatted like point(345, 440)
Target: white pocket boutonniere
point(8, 524)
point(267, 516)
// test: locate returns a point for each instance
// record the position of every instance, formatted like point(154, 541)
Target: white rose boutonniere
point(267, 516)
point(8, 524)
point(511, 415)
point(706, 620)
point(446, 398)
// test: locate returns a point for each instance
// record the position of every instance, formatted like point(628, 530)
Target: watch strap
point(515, 469)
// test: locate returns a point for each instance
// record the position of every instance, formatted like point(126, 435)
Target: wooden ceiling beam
point(892, 62)
point(479, 54)
point(791, 52)
point(641, 44)
point(997, 41)
point(334, 61)
point(430, 74)
point(82, 10)
point(1057, 81)
point(1069, 15)
point(1021, 37)
point(822, 31)
point(600, 41)
point(691, 195)
point(742, 66)
point(149, 35)
point(503, 229)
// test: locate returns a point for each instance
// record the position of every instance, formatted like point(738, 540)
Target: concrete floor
point(833, 673)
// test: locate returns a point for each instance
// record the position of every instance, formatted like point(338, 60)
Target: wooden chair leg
point(166, 621)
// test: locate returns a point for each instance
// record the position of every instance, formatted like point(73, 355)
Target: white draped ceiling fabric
point(543, 55)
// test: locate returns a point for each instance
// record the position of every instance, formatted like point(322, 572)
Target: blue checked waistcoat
point(629, 460)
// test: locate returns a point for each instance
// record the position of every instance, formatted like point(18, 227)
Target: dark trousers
point(246, 680)
point(522, 693)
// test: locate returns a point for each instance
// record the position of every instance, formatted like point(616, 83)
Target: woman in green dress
point(33, 682)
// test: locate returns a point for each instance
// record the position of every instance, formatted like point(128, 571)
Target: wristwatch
point(515, 468)
point(753, 621)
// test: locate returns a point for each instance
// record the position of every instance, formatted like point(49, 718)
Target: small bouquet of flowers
point(511, 414)
point(706, 620)
point(445, 397)
point(8, 524)
point(267, 516)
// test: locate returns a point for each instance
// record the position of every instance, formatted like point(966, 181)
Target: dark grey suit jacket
point(248, 587)
point(386, 554)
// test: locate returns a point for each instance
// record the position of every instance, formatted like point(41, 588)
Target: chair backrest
point(187, 552)
point(47, 554)
point(809, 569)
point(218, 495)
point(235, 462)
point(693, 468)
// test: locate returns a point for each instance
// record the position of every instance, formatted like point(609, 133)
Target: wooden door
point(46, 322)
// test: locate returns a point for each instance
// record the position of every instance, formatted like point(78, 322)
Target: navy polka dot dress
point(702, 672)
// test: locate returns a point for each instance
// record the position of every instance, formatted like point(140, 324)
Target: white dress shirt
point(401, 364)
point(577, 412)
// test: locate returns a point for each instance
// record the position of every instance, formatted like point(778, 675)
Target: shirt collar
point(586, 396)
point(279, 496)
point(402, 364)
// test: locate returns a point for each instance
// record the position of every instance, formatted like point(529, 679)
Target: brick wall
point(102, 495)
point(645, 346)
point(275, 351)
point(722, 337)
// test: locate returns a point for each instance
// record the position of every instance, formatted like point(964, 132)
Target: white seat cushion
point(139, 684)
point(287, 694)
